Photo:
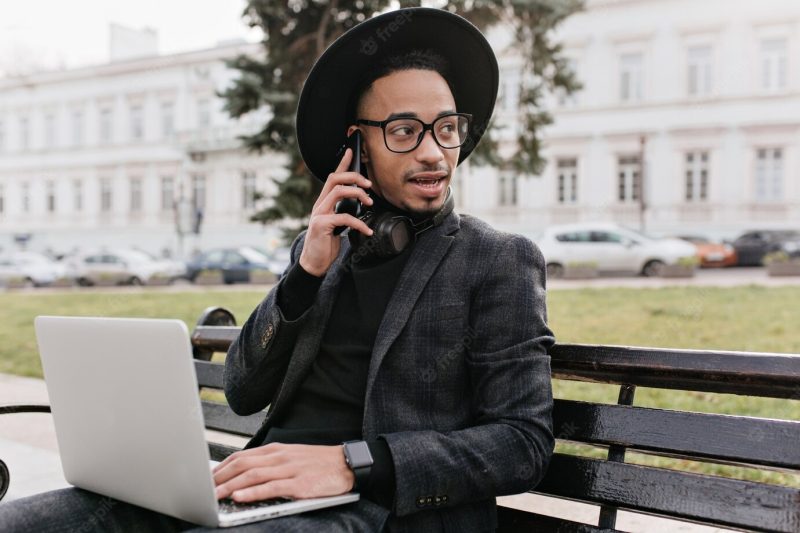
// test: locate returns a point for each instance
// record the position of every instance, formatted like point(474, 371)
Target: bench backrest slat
point(723, 437)
point(209, 374)
point(220, 417)
point(682, 495)
point(753, 374)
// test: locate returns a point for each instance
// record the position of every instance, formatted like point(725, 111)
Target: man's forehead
point(411, 93)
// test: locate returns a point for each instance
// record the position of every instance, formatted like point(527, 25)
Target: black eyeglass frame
point(425, 127)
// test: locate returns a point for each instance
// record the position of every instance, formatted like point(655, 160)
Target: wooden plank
point(755, 374)
point(741, 439)
point(209, 374)
point(216, 338)
point(511, 520)
point(23, 408)
point(221, 418)
point(687, 496)
point(219, 452)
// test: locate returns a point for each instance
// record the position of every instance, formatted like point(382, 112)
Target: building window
point(77, 127)
point(248, 190)
point(106, 125)
point(508, 190)
point(77, 195)
point(167, 119)
point(567, 175)
point(769, 174)
point(198, 192)
point(24, 133)
point(203, 113)
point(773, 64)
point(167, 193)
point(631, 77)
point(630, 175)
point(105, 195)
point(50, 189)
point(26, 198)
point(696, 176)
point(49, 130)
point(136, 194)
point(699, 76)
point(137, 122)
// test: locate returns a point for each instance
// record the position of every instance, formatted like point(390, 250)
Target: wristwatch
point(358, 458)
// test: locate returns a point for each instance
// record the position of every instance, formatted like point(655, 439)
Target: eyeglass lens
point(404, 134)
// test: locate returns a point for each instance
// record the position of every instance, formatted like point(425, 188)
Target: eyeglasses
point(403, 135)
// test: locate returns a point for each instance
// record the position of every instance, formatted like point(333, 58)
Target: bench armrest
point(5, 476)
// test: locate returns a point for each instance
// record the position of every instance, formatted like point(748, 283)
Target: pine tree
point(296, 32)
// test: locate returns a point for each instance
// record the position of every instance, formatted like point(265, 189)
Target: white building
point(101, 155)
point(704, 94)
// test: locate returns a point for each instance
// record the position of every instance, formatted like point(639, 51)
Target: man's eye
point(402, 130)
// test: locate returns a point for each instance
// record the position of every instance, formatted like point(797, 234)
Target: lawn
point(747, 318)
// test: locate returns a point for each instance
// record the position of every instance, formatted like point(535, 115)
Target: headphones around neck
point(394, 232)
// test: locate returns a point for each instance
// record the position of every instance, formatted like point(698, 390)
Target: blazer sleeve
point(257, 360)
point(508, 448)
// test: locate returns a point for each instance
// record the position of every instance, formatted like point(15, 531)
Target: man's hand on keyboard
point(283, 470)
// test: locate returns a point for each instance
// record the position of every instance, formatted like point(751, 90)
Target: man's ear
point(364, 154)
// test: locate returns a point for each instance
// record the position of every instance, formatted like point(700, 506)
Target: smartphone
point(351, 205)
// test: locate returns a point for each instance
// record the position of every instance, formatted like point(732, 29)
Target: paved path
point(29, 448)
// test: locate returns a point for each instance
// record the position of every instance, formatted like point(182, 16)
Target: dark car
point(236, 264)
point(752, 246)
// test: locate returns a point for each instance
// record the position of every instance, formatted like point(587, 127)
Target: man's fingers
point(252, 452)
point(341, 178)
point(253, 477)
point(328, 222)
point(344, 163)
point(328, 203)
point(279, 488)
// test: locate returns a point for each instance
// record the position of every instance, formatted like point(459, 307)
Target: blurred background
point(135, 137)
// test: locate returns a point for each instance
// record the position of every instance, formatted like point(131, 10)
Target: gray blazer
point(459, 381)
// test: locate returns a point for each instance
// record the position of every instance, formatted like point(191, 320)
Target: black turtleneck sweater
point(328, 408)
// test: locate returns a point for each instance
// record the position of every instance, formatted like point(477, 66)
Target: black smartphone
point(351, 205)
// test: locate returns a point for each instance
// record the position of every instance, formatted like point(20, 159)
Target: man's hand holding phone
point(321, 245)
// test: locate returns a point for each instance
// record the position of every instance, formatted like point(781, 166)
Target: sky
point(53, 34)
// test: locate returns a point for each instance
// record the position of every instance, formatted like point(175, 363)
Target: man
point(414, 347)
point(432, 358)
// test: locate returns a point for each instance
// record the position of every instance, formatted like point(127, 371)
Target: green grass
point(748, 318)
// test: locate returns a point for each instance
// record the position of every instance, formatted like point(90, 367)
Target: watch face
point(358, 454)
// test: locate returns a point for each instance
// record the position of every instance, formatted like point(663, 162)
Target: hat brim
point(322, 112)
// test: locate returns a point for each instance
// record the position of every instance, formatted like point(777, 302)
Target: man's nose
point(428, 150)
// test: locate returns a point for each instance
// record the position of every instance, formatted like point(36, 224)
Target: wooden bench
point(611, 482)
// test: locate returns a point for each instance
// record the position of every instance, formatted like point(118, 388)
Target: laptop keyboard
point(227, 505)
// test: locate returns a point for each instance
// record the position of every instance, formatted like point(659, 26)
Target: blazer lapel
point(425, 258)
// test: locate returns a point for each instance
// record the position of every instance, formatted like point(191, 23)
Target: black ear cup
point(393, 233)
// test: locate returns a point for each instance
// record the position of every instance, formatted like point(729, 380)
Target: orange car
point(712, 254)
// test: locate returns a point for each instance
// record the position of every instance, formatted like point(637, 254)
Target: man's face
point(415, 181)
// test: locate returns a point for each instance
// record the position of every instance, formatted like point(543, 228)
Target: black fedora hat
point(323, 110)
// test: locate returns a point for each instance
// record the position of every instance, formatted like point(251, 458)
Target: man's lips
point(429, 176)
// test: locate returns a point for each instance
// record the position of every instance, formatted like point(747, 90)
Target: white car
point(609, 247)
point(30, 267)
point(121, 266)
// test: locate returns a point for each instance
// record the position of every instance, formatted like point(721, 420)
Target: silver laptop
point(128, 418)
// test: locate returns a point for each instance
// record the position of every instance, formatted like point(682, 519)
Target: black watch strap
point(359, 459)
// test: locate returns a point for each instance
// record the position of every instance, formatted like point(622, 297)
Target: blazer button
point(265, 338)
point(420, 502)
point(429, 500)
point(437, 500)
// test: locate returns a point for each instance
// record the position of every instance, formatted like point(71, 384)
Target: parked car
point(752, 246)
point(121, 266)
point(610, 247)
point(30, 268)
point(712, 254)
point(234, 263)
